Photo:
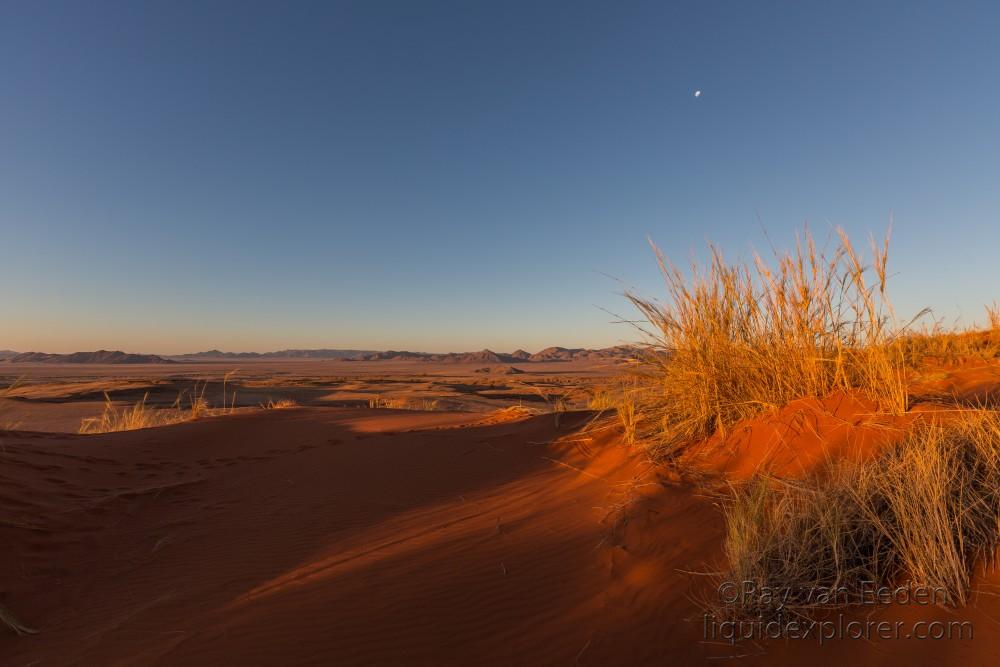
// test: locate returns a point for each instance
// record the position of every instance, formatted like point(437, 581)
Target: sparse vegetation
point(130, 418)
point(735, 340)
point(198, 404)
point(225, 381)
point(280, 404)
point(622, 398)
point(555, 401)
point(142, 415)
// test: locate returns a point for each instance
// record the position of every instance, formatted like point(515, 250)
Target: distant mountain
point(549, 354)
point(491, 357)
point(567, 354)
point(483, 356)
point(499, 370)
point(557, 354)
point(394, 355)
point(281, 354)
point(99, 357)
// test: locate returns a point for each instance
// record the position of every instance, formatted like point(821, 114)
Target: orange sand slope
point(326, 536)
point(339, 536)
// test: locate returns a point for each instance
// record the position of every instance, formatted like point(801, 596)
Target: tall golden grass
point(926, 511)
point(735, 340)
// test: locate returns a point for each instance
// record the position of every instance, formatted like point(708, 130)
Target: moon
point(697, 93)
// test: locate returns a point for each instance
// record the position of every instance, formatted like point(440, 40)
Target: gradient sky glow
point(443, 176)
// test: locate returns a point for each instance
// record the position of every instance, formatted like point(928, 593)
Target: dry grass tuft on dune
point(926, 511)
point(793, 342)
point(280, 404)
point(737, 340)
point(129, 418)
point(141, 415)
point(623, 399)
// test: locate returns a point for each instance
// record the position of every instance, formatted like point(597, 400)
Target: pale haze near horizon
point(449, 176)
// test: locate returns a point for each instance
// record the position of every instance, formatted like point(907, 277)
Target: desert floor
point(332, 533)
point(56, 397)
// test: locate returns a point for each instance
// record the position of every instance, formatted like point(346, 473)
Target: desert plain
point(402, 512)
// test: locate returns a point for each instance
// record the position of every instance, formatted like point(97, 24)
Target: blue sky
point(457, 175)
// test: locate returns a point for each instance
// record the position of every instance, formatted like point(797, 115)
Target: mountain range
point(98, 357)
point(483, 356)
point(491, 357)
point(281, 354)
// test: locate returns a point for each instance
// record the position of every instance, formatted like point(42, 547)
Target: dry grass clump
point(926, 511)
point(601, 398)
point(198, 405)
point(993, 317)
point(624, 398)
point(735, 340)
point(556, 402)
point(141, 415)
point(280, 404)
point(131, 418)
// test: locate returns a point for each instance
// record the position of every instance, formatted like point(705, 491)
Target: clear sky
point(440, 176)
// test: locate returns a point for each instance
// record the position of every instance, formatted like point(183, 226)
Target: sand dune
point(324, 536)
point(338, 536)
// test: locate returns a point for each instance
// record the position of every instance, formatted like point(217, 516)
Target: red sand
point(801, 437)
point(325, 536)
point(333, 536)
